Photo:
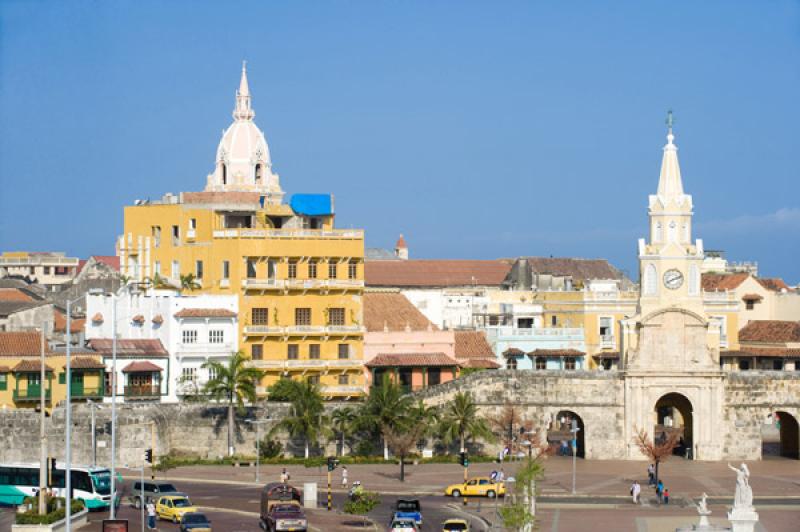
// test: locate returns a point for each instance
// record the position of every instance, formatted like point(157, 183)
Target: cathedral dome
point(243, 145)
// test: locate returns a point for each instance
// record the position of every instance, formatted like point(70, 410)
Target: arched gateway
point(674, 415)
point(781, 436)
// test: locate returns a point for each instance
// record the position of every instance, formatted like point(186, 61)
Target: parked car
point(455, 525)
point(174, 507)
point(195, 522)
point(152, 490)
point(478, 486)
point(403, 525)
point(408, 509)
point(280, 508)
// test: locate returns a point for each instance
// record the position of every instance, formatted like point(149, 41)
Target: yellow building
point(21, 379)
point(299, 280)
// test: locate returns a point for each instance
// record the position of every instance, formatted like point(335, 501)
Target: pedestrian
point(660, 491)
point(151, 515)
point(564, 447)
point(284, 476)
point(493, 476)
point(344, 476)
point(636, 489)
point(651, 475)
point(666, 495)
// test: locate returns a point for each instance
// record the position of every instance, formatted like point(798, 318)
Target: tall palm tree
point(233, 382)
point(461, 421)
point(342, 420)
point(159, 282)
point(189, 282)
point(306, 417)
point(385, 408)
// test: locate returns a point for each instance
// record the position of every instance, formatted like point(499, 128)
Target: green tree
point(362, 504)
point(234, 383)
point(385, 408)
point(189, 282)
point(461, 421)
point(306, 417)
point(282, 390)
point(520, 513)
point(159, 283)
point(343, 420)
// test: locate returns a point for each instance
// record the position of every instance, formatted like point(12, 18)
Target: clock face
point(673, 279)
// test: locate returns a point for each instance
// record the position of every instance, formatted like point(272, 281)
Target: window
point(176, 235)
point(777, 364)
point(47, 270)
point(3, 381)
point(336, 316)
point(156, 233)
point(524, 323)
point(260, 315)
point(312, 269)
point(176, 269)
point(198, 269)
point(212, 373)
point(292, 274)
point(606, 330)
point(192, 223)
point(32, 270)
point(313, 351)
point(292, 351)
point(744, 365)
point(511, 363)
point(569, 363)
point(344, 351)
point(257, 352)
point(672, 231)
point(313, 379)
point(344, 380)
point(686, 232)
point(650, 280)
point(259, 172)
point(216, 336)
point(190, 336)
point(189, 374)
point(434, 376)
point(658, 233)
point(251, 269)
point(224, 174)
point(541, 363)
point(157, 267)
point(302, 316)
point(554, 321)
point(226, 269)
point(332, 269)
point(352, 270)
point(750, 304)
point(271, 269)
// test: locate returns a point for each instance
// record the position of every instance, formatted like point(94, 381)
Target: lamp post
point(93, 406)
point(258, 423)
point(574, 430)
point(68, 421)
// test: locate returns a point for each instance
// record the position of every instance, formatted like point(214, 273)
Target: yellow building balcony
point(341, 390)
point(263, 284)
point(302, 284)
point(607, 341)
point(304, 330)
point(320, 364)
point(340, 234)
point(263, 330)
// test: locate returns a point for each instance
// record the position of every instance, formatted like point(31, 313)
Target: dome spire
point(669, 182)
point(243, 110)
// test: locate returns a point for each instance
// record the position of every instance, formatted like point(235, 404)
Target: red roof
point(472, 344)
point(722, 281)
point(435, 273)
point(21, 343)
point(141, 366)
point(776, 284)
point(97, 318)
point(770, 331)
point(76, 325)
point(479, 363)
point(763, 352)
point(85, 363)
point(393, 311)
point(27, 366)
point(752, 297)
point(556, 353)
point(401, 243)
point(205, 313)
point(411, 360)
point(4, 369)
point(14, 294)
point(513, 352)
point(125, 347)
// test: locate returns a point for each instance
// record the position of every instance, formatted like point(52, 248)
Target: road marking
point(556, 515)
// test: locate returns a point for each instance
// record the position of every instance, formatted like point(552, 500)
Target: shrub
point(32, 516)
point(269, 448)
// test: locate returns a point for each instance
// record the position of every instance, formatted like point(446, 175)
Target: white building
point(192, 329)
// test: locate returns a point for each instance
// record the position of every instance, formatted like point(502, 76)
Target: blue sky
point(477, 129)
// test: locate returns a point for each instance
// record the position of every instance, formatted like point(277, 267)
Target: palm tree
point(189, 282)
point(461, 420)
point(233, 382)
point(159, 282)
point(385, 408)
point(306, 418)
point(342, 420)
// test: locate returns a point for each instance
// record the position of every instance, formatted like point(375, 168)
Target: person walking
point(284, 476)
point(636, 489)
point(666, 496)
point(651, 475)
point(344, 476)
point(660, 492)
point(151, 515)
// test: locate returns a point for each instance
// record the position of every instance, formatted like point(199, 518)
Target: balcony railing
point(344, 329)
point(342, 390)
point(549, 332)
point(607, 341)
point(253, 330)
point(31, 395)
point(38, 261)
point(142, 392)
point(264, 284)
point(303, 330)
point(301, 284)
point(86, 393)
point(353, 234)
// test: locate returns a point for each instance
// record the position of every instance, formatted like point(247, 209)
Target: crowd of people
point(662, 492)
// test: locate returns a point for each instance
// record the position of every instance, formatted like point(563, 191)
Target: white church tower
point(243, 160)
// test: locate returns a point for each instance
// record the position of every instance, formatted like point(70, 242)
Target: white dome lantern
point(243, 160)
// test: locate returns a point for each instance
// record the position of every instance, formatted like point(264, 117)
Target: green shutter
point(3, 381)
point(62, 378)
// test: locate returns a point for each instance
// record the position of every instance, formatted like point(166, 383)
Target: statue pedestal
point(704, 521)
point(743, 519)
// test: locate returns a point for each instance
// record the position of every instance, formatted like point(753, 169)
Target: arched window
point(672, 232)
point(259, 172)
point(658, 234)
point(686, 232)
point(694, 280)
point(224, 174)
point(650, 280)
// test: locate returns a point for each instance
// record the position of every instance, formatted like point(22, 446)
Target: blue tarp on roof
point(312, 204)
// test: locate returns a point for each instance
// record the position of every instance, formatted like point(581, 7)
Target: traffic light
point(148, 456)
point(332, 463)
point(463, 459)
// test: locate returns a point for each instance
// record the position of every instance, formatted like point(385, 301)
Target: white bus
point(92, 485)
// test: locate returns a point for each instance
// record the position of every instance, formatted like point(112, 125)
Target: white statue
point(744, 493)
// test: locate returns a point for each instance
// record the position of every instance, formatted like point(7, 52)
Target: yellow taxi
point(173, 507)
point(476, 487)
point(455, 525)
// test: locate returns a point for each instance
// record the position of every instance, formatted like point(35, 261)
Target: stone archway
point(559, 431)
point(674, 413)
point(781, 436)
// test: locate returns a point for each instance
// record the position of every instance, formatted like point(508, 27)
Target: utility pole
point(113, 511)
point(153, 447)
point(94, 432)
point(42, 431)
point(574, 430)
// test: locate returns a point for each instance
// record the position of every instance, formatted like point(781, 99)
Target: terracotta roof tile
point(479, 363)
point(13, 294)
point(111, 261)
point(556, 353)
point(764, 352)
point(205, 313)
point(26, 366)
point(713, 282)
point(577, 268)
point(393, 310)
point(85, 363)
point(158, 319)
point(21, 344)
point(97, 318)
point(126, 347)
point(776, 285)
point(138, 319)
point(141, 366)
point(752, 297)
point(513, 352)
point(411, 359)
point(613, 355)
point(770, 331)
point(76, 325)
point(401, 243)
point(436, 273)
point(472, 344)
point(4, 369)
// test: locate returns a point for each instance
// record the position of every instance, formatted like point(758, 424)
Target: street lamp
point(258, 423)
point(68, 457)
point(139, 470)
point(574, 430)
point(93, 406)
